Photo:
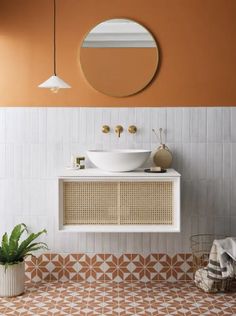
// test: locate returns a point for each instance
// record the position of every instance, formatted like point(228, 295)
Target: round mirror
point(119, 57)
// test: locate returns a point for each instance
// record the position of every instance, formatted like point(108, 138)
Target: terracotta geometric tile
point(64, 268)
point(105, 267)
point(117, 298)
point(145, 268)
point(36, 267)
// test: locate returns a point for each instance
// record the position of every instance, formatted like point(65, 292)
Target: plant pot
point(12, 279)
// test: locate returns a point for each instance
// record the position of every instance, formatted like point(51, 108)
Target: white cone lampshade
point(54, 83)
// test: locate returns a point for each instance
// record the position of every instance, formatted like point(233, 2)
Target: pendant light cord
point(54, 37)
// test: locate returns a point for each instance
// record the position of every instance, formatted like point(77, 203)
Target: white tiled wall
point(36, 143)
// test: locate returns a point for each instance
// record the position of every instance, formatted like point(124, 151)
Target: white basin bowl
point(118, 160)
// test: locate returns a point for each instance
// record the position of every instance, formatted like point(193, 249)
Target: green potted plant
point(12, 254)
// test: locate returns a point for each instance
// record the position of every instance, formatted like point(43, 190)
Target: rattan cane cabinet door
point(144, 203)
point(94, 203)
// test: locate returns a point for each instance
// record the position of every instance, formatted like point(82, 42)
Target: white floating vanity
point(93, 200)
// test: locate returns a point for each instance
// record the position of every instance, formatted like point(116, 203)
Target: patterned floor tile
point(117, 299)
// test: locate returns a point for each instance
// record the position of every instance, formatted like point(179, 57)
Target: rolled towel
point(203, 282)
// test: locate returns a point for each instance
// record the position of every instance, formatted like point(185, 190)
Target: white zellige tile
point(221, 225)
point(227, 124)
point(194, 125)
point(198, 161)
point(214, 125)
point(233, 182)
point(233, 124)
point(25, 125)
point(174, 124)
point(2, 160)
point(142, 120)
point(214, 160)
point(62, 125)
point(233, 226)
point(2, 125)
point(227, 160)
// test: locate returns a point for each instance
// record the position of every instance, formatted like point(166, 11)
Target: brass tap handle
point(132, 129)
point(119, 129)
point(105, 129)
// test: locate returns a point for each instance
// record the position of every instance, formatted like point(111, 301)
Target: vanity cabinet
point(92, 200)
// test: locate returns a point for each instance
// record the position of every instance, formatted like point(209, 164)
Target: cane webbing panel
point(90, 203)
point(143, 203)
point(124, 203)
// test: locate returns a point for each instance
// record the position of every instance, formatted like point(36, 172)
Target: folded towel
point(221, 266)
point(226, 249)
point(222, 259)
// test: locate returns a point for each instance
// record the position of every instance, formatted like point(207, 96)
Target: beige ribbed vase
point(12, 279)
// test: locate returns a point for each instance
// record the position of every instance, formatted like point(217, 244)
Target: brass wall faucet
point(119, 129)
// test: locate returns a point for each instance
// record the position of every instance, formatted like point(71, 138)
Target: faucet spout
point(119, 129)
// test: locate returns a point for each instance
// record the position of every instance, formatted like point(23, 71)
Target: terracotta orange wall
point(196, 38)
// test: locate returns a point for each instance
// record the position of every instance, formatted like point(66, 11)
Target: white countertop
point(94, 172)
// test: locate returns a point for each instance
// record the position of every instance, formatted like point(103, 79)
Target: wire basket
point(201, 245)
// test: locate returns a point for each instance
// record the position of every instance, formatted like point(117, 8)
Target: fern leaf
point(43, 244)
point(5, 247)
point(17, 231)
point(31, 247)
point(2, 257)
point(34, 249)
point(23, 246)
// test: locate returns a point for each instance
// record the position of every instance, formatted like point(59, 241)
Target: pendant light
point(54, 83)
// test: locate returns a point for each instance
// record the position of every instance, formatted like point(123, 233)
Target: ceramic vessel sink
point(118, 160)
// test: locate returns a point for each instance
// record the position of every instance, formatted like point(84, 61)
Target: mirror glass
point(119, 57)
